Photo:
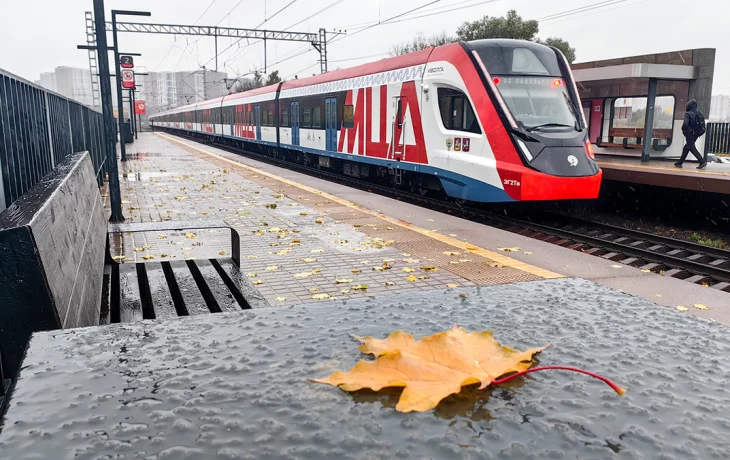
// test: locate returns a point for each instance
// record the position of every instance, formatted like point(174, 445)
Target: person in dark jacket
point(689, 129)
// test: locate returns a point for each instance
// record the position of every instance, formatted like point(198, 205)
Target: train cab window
point(284, 118)
point(457, 113)
point(307, 117)
point(348, 116)
point(316, 117)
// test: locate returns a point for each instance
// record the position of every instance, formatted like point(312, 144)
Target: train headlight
point(525, 150)
point(589, 149)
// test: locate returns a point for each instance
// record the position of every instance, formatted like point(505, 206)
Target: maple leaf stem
point(608, 382)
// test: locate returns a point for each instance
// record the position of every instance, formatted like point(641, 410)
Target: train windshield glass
point(537, 102)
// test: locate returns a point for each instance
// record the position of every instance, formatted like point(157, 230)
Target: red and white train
point(483, 121)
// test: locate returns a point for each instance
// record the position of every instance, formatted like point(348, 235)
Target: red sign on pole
point(127, 79)
point(140, 108)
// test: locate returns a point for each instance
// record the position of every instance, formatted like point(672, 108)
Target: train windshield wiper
point(548, 125)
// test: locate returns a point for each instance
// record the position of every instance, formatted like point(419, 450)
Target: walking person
point(692, 128)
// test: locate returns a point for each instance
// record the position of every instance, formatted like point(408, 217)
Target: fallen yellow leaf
point(148, 257)
point(271, 268)
point(360, 287)
point(471, 247)
point(344, 280)
point(452, 285)
point(411, 278)
point(257, 282)
point(429, 268)
point(409, 269)
point(645, 271)
point(280, 299)
point(389, 283)
point(138, 249)
point(509, 249)
point(321, 296)
point(190, 235)
point(681, 308)
point(433, 367)
point(356, 271)
point(222, 253)
point(616, 266)
point(699, 306)
point(160, 237)
point(451, 253)
point(252, 275)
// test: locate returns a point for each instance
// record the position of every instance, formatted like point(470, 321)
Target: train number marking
point(514, 183)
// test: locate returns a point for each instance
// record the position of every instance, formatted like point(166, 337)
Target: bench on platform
point(636, 133)
point(57, 271)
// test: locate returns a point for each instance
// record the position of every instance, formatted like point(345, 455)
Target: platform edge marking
point(496, 257)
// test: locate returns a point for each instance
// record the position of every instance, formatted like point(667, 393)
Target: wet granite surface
point(235, 385)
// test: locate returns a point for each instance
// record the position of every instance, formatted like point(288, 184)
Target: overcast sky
point(38, 35)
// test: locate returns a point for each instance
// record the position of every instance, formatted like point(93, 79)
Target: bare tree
point(420, 42)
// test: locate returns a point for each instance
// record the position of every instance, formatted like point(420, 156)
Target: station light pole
point(110, 138)
point(116, 13)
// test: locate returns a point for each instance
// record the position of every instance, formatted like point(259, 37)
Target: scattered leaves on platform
point(495, 265)
point(645, 271)
point(431, 368)
point(412, 261)
point(471, 247)
point(509, 249)
point(319, 221)
point(316, 251)
point(303, 275)
point(309, 259)
point(344, 280)
point(321, 296)
point(617, 266)
point(452, 285)
point(257, 282)
point(451, 253)
point(272, 268)
point(356, 271)
point(681, 308)
point(252, 275)
point(409, 269)
point(119, 258)
point(223, 253)
point(360, 287)
point(412, 278)
point(138, 249)
point(280, 299)
point(148, 257)
point(429, 268)
point(389, 283)
point(252, 257)
point(161, 237)
point(197, 243)
point(271, 206)
point(190, 235)
point(699, 306)
point(302, 213)
point(528, 253)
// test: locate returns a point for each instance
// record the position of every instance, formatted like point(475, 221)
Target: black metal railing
point(717, 138)
point(38, 129)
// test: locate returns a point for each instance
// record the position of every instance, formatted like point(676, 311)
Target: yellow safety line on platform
point(464, 246)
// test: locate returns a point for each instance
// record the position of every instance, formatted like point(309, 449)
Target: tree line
point(510, 26)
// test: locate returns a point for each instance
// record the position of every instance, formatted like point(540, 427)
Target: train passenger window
point(348, 116)
point(457, 113)
point(284, 118)
point(316, 117)
point(307, 118)
point(271, 118)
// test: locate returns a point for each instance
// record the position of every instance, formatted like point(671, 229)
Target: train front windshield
point(531, 83)
point(536, 102)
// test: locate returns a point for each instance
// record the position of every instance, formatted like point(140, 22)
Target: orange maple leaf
point(433, 367)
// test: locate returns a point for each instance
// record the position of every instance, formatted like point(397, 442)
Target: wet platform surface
point(714, 178)
point(234, 385)
point(296, 246)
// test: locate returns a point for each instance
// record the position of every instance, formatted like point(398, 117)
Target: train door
point(330, 123)
point(294, 119)
point(398, 140)
point(257, 116)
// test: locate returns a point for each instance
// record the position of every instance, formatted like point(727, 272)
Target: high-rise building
point(74, 83)
point(720, 108)
point(48, 80)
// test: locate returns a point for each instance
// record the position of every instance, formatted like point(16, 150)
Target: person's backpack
point(699, 127)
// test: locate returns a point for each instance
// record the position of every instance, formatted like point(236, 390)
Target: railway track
point(679, 259)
